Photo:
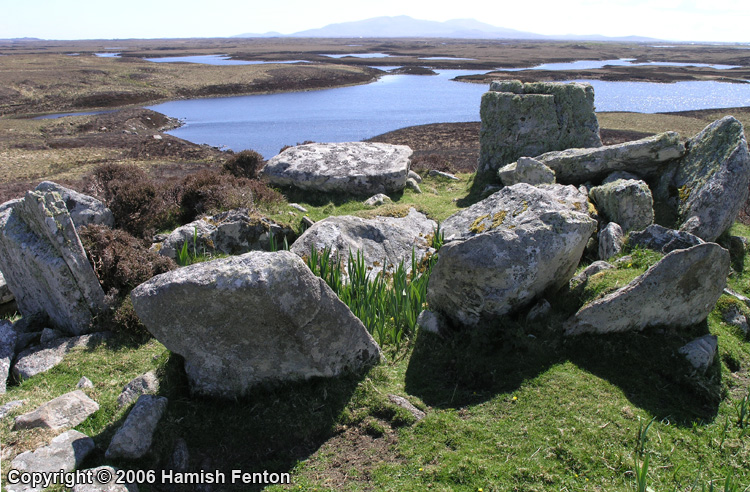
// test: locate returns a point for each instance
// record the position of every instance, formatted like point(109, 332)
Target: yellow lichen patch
point(684, 192)
point(498, 218)
point(592, 210)
point(577, 206)
point(523, 208)
point(477, 227)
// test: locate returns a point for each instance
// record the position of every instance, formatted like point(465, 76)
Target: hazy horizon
point(673, 20)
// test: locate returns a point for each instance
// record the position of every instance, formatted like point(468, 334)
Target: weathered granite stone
point(734, 316)
point(701, 352)
point(63, 412)
point(611, 241)
point(45, 265)
point(49, 334)
point(133, 439)
point(431, 322)
point(627, 202)
point(662, 239)
point(503, 252)
point(84, 383)
point(593, 269)
point(42, 358)
point(230, 233)
point(144, 384)
point(413, 185)
point(355, 168)
point(6, 295)
point(378, 199)
point(10, 406)
point(416, 177)
point(680, 290)
point(526, 170)
point(252, 319)
point(407, 405)
point(97, 486)
point(711, 181)
point(646, 157)
point(383, 241)
point(7, 351)
point(65, 452)
point(525, 120)
point(443, 175)
point(84, 209)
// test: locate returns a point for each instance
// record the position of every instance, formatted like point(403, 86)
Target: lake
point(265, 123)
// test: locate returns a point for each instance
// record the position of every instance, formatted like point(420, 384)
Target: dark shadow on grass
point(470, 366)
point(269, 429)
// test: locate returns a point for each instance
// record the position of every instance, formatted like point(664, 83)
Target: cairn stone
point(84, 209)
point(526, 170)
point(252, 319)
point(352, 168)
point(65, 452)
point(383, 241)
point(646, 157)
point(611, 240)
point(233, 232)
point(678, 291)
point(627, 202)
point(134, 438)
point(709, 185)
point(45, 264)
point(525, 120)
point(63, 412)
point(503, 252)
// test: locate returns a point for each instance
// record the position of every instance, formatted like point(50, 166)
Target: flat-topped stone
point(63, 412)
point(354, 168)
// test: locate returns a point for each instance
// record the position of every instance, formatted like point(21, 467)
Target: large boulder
point(679, 291)
point(627, 202)
point(709, 185)
point(383, 241)
point(506, 250)
point(45, 264)
point(525, 120)
point(645, 157)
point(353, 168)
point(84, 209)
point(252, 319)
point(230, 233)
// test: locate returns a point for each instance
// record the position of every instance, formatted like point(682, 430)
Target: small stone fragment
point(407, 405)
point(144, 384)
point(701, 352)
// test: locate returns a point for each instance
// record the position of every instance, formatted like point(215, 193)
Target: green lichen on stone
point(498, 218)
point(477, 227)
point(684, 192)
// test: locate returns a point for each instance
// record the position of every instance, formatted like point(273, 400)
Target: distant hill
point(404, 26)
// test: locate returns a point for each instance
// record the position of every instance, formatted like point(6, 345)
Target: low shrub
point(246, 164)
point(121, 261)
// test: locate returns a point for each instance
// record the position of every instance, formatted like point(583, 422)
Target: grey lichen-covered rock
point(413, 185)
point(42, 358)
point(354, 168)
point(408, 406)
point(525, 120)
point(230, 233)
point(133, 439)
point(96, 486)
point(589, 271)
point(625, 201)
point(443, 175)
point(646, 157)
point(611, 240)
point(84, 383)
point(84, 209)
point(63, 412)
point(45, 264)
point(378, 199)
point(506, 250)
point(431, 322)
point(416, 177)
point(680, 290)
point(526, 170)
point(383, 241)
point(49, 334)
point(7, 351)
point(144, 384)
point(734, 316)
point(711, 181)
point(65, 452)
point(252, 319)
point(10, 406)
point(6, 295)
point(662, 239)
point(701, 352)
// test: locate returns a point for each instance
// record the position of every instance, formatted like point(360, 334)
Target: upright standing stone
point(133, 439)
point(84, 209)
point(525, 120)
point(45, 264)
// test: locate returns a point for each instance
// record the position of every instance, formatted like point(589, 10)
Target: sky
point(678, 20)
